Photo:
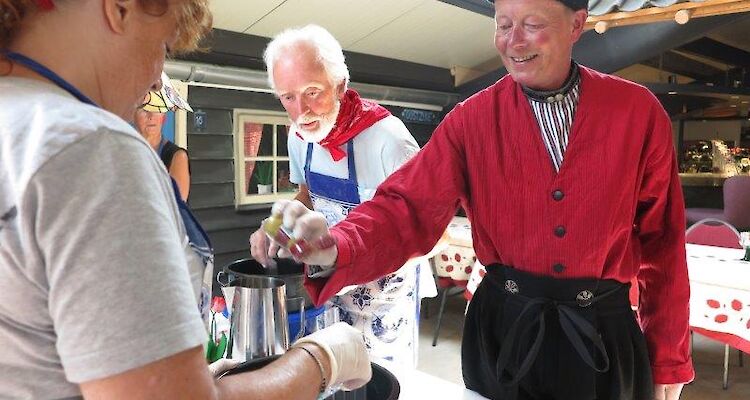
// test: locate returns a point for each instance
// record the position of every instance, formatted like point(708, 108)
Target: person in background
point(569, 179)
point(98, 286)
point(341, 147)
point(156, 105)
point(149, 120)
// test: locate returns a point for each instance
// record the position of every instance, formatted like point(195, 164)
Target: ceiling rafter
point(675, 63)
point(680, 12)
point(718, 51)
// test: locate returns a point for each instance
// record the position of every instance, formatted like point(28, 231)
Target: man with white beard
point(341, 148)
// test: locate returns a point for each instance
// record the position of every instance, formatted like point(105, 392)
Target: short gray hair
point(327, 49)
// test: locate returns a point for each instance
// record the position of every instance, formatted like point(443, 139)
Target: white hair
point(327, 49)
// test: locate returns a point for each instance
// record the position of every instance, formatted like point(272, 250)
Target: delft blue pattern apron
point(385, 310)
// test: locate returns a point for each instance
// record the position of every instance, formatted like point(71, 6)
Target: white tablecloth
point(457, 260)
point(417, 385)
point(459, 232)
point(719, 289)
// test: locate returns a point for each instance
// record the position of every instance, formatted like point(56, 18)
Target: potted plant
point(264, 176)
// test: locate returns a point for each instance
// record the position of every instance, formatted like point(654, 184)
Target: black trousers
point(528, 337)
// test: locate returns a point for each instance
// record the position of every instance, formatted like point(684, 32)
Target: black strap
point(167, 154)
point(572, 323)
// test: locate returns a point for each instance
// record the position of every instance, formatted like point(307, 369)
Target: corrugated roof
point(601, 7)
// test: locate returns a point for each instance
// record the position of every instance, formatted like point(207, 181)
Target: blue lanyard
point(161, 147)
point(47, 73)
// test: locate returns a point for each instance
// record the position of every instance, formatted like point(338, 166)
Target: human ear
point(117, 13)
point(579, 23)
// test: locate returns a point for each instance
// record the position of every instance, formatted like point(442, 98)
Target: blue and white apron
point(385, 310)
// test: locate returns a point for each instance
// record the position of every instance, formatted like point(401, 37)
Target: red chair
point(715, 232)
point(736, 209)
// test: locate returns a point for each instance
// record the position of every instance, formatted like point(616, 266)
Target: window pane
point(283, 132)
point(266, 144)
point(258, 139)
point(259, 177)
point(252, 134)
point(283, 184)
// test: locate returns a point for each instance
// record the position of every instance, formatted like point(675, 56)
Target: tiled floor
point(444, 360)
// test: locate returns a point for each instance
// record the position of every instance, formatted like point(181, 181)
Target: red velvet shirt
point(615, 210)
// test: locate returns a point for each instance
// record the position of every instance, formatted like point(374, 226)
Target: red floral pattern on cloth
point(727, 311)
point(477, 274)
point(455, 263)
point(720, 294)
point(722, 316)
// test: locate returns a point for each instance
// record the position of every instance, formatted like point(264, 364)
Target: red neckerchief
point(355, 115)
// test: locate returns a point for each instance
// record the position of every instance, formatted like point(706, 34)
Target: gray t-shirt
point(96, 276)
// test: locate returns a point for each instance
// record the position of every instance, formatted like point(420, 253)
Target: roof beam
point(718, 51)
point(246, 51)
point(681, 65)
point(680, 12)
point(477, 6)
point(625, 46)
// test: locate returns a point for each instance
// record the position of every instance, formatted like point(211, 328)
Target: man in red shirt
point(569, 179)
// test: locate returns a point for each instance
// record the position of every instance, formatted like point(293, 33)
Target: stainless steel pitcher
point(259, 325)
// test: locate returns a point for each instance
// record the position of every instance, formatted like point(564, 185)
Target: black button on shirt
point(558, 195)
point(560, 231)
point(559, 268)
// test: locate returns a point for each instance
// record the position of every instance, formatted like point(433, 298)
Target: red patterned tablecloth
point(720, 294)
point(456, 262)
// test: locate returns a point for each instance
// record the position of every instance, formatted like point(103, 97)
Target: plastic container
point(311, 314)
point(315, 319)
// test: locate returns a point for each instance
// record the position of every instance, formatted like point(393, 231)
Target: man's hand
point(309, 226)
point(668, 392)
point(262, 248)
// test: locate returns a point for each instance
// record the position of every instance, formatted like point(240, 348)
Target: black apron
point(537, 337)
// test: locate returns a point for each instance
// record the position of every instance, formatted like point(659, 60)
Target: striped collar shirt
point(555, 118)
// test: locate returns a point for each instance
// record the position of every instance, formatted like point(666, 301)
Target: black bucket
point(286, 269)
point(382, 386)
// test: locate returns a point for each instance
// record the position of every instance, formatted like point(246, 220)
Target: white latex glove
point(218, 367)
point(668, 392)
point(262, 248)
point(310, 226)
point(345, 346)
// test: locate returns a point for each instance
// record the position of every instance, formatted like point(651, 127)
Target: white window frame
point(274, 118)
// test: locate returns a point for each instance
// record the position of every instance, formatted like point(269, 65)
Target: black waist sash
point(574, 302)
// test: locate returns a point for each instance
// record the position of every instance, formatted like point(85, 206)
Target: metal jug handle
point(225, 279)
point(302, 323)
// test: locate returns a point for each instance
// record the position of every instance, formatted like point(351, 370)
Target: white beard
point(326, 123)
